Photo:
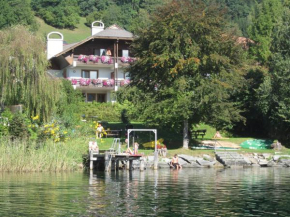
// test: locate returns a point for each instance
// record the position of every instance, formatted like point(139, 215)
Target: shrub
point(104, 111)
point(18, 128)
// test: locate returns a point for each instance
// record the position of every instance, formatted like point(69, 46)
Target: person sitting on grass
point(174, 162)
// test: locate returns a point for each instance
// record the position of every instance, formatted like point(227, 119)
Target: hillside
point(70, 36)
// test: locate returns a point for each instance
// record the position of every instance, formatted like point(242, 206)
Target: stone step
point(231, 159)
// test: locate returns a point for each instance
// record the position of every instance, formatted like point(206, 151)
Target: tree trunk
point(185, 134)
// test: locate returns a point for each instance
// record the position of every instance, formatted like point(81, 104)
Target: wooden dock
point(110, 160)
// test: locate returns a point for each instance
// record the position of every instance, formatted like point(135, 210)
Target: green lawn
point(70, 36)
point(173, 140)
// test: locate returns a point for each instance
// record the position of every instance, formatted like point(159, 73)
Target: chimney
point(98, 28)
point(54, 45)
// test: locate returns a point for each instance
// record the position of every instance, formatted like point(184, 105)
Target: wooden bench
point(197, 133)
point(114, 133)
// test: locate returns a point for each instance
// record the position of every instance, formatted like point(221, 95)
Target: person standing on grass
point(100, 129)
point(174, 162)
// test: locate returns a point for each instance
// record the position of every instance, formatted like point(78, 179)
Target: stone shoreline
point(221, 159)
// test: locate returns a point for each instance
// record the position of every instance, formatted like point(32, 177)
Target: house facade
point(95, 65)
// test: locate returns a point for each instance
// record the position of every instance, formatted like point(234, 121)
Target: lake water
point(188, 192)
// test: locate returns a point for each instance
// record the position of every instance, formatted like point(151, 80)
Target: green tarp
point(257, 144)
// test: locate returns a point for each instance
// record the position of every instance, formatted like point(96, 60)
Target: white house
point(95, 65)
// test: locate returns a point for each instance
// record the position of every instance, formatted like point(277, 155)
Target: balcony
point(87, 83)
point(94, 60)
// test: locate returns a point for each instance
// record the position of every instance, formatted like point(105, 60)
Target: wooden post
point(91, 165)
point(130, 164)
point(117, 164)
point(141, 164)
point(107, 162)
point(127, 165)
point(91, 161)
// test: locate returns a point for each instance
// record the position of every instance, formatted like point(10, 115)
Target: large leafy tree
point(23, 73)
point(274, 92)
point(58, 13)
point(189, 65)
point(17, 12)
point(266, 16)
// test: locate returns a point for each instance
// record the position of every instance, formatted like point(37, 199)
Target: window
point(85, 74)
point(91, 97)
point(125, 53)
point(90, 74)
point(101, 97)
point(100, 52)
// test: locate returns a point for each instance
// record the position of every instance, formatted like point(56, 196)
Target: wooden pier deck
point(111, 160)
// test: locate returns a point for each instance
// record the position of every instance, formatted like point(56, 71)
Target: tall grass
point(26, 156)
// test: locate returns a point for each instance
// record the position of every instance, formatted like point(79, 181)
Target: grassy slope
point(70, 36)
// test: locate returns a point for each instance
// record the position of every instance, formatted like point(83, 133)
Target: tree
point(265, 18)
point(17, 12)
point(23, 76)
point(58, 13)
point(273, 94)
point(188, 67)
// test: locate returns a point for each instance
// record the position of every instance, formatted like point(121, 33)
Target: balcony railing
point(105, 83)
point(94, 59)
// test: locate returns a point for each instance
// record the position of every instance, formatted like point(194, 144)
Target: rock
point(192, 164)
point(248, 160)
point(276, 157)
point(267, 155)
point(218, 164)
point(205, 163)
point(271, 164)
point(207, 157)
point(187, 158)
point(255, 165)
point(285, 162)
point(182, 162)
point(253, 160)
point(163, 165)
point(263, 162)
point(166, 160)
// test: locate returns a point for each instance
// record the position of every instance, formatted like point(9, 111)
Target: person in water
point(174, 162)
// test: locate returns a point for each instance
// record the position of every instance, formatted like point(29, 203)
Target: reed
point(27, 156)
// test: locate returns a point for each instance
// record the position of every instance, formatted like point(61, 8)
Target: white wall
point(104, 73)
point(54, 45)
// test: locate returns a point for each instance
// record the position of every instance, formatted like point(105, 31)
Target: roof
point(114, 31)
point(111, 32)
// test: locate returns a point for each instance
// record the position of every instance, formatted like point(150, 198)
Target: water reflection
point(188, 192)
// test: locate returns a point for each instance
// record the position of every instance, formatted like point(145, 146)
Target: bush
point(104, 111)
point(5, 118)
point(18, 128)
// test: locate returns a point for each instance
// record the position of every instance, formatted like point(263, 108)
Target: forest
point(189, 54)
